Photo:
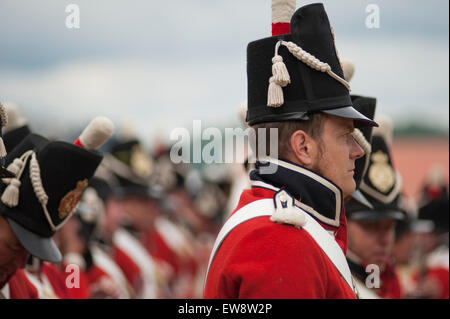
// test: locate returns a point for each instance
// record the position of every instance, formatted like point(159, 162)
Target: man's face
point(338, 152)
point(141, 211)
point(372, 241)
point(404, 248)
point(12, 254)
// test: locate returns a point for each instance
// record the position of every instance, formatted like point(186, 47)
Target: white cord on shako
point(280, 75)
point(4, 122)
point(10, 196)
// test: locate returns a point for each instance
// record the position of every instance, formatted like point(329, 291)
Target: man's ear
point(302, 148)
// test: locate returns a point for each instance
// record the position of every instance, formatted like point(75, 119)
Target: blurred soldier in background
point(433, 251)
point(404, 252)
point(421, 248)
point(371, 231)
point(33, 277)
point(127, 169)
point(33, 209)
point(79, 242)
point(362, 135)
point(45, 279)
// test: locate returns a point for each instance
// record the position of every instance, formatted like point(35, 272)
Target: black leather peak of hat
point(131, 180)
point(310, 90)
point(62, 165)
point(366, 106)
point(437, 211)
point(122, 150)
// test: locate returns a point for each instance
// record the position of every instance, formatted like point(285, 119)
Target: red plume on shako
point(282, 11)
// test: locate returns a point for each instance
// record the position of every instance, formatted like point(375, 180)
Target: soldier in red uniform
point(371, 230)
point(277, 242)
point(18, 287)
point(49, 279)
point(49, 180)
point(129, 209)
point(432, 275)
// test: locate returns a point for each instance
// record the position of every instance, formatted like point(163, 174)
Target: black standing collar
point(356, 267)
point(313, 193)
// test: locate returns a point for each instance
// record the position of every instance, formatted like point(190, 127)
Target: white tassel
point(15, 166)
point(286, 212)
point(290, 216)
point(280, 72)
point(275, 94)
point(2, 149)
point(10, 196)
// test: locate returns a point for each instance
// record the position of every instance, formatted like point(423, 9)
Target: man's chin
point(348, 190)
point(381, 263)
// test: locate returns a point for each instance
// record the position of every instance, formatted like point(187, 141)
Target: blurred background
point(153, 66)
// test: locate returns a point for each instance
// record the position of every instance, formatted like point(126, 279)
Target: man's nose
point(356, 151)
point(384, 237)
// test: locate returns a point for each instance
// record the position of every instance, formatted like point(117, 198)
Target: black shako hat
point(293, 75)
point(13, 137)
point(437, 211)
point(380, 185)
point(363, 136)
point(132, 168)
point(50, 179)
point(366, 106)
point(92, 207)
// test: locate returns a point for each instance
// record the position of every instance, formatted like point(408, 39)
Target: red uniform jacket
point(440, 276)
point(390, 284)
point(129, 268)
point(262, 259)
point(56, 279)
point(20, 287)
point(160, 250)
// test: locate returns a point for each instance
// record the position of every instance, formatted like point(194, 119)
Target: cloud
point(152, 96)
point(161, 65)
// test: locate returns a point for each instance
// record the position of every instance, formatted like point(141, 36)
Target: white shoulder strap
point(107, 264)
point(255, 209)
point(265, 207)
point(125, 241)
point(4, 292)
point(35, 282)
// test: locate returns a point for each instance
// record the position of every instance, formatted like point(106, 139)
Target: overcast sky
point(162, 64)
